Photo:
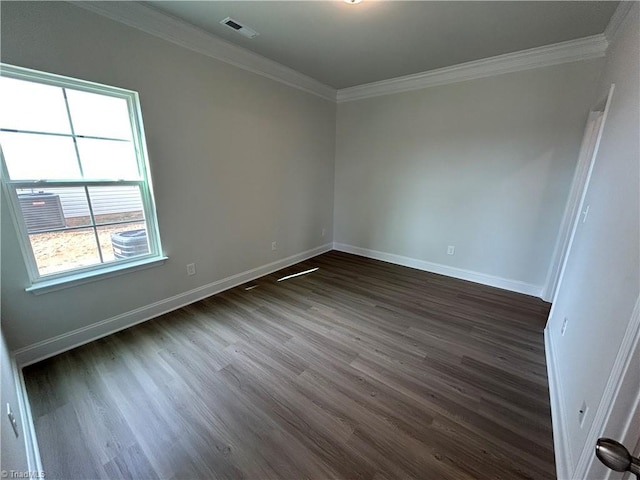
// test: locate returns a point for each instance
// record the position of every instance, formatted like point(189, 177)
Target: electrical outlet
point(451, 249)
point(582, 413)
point(12, 420)
point(274, 246)
point(564, 326)
point(191, 269)
point(324, 231)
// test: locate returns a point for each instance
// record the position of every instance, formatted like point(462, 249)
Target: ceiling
point(345, 45)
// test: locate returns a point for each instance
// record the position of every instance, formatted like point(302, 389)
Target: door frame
point(574, 207)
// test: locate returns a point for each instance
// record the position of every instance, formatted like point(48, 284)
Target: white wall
point(601, 281)
point(484, 165)
point(237, 161)
point(14, 455)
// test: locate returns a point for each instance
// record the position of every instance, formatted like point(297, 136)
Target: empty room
point(347, 239)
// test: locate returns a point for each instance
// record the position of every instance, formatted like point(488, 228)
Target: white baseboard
point(34, 464)
point(564, 459)
point(47, 348)
point(477, 277)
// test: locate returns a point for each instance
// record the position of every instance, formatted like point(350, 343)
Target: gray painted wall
point(237, 161)
point(601, 281)
point(484, 165)
point(14, 455)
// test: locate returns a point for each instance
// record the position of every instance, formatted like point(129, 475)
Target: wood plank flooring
point(359, 370)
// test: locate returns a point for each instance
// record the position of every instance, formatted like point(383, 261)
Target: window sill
point(46, 286)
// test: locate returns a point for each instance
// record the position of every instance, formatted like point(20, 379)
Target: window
point(75, 171)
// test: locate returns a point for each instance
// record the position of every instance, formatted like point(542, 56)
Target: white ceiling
point(344, 45)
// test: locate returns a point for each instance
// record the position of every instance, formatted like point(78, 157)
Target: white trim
point(470, 275)
point(34, 463)
point(180, 32)
point(73, 280)
point(575, 202)
point(628, 435)
point(564, 459)
point(143, 181)
point(66, 341)
point(559, 276)
point(571, 209)
point(175, 30)
point(585, 48)
point(621, 367)
point(617, 19)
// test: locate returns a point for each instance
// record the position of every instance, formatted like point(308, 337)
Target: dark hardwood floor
point(359, 370)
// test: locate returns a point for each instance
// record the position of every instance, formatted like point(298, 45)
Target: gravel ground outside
point(58, 251)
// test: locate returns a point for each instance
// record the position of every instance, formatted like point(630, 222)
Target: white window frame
point(55, 281)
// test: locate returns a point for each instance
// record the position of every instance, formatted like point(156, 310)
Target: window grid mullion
point(73, 132)
point(142, 183)
point(93, 223)
point(86, 188)
point(83, 227)
point(66, 135)
point(72, 183)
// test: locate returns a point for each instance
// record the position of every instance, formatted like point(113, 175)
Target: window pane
point(32, 106)
point(123, 241)
point(51, 208)
point(74, 136)
point(107, 159)
point(99, 115)
point(39, 157)
point(61, 251)
point(116, 204)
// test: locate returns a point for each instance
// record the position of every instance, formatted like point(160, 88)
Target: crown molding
point(179, 32)
point(617, 18)
point(571, 51)
point(174, 30)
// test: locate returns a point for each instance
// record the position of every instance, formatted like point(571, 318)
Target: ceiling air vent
point(238, 27)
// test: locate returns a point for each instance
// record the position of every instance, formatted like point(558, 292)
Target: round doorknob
point(613, 454)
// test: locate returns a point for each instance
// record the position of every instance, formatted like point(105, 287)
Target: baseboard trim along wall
point(564, 459)
point(462, 274)
point(48, 348)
